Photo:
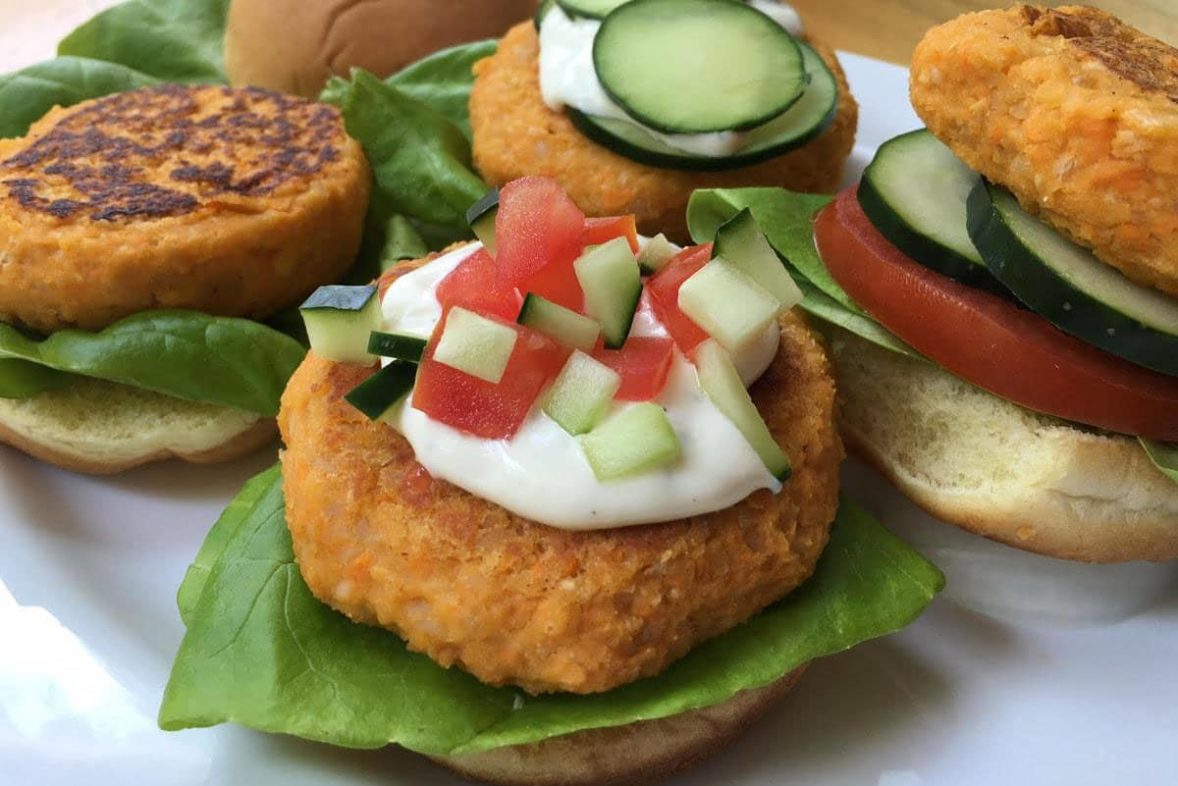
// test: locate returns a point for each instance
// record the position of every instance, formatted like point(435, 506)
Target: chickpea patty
point(516, 134)
point(513, 601)
point(236, 202)
point(1076, 113)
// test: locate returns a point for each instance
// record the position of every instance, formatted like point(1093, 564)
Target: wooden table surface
point(890, 29)
point(887, 29)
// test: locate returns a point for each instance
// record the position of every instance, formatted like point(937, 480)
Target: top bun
point(296, 45)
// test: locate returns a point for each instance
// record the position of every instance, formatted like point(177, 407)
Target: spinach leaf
point(189, 355)
point(263, 652)
point(173, 40)
point(22, 379)
point(26, 95)
point(1164, 457)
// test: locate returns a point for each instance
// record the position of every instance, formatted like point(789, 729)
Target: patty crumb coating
point(516, 602)
point(516, 134)
point(1076, 113)
point(235, 202)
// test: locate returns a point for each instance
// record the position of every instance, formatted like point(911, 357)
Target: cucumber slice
point(638, 439)
point(655, 254)
point(612, 284)
point(581, 394)
point(914, 192)
point(377, 395)
point(743, 245)
point(1069, 286)
point(397, 346)
point(814, 112)
point(729, 305)
point(590, 9)
point(481, 218)
point(555, 321)
point(476, 345)
point(698, 66)
point(339, 320)
point(721, 382)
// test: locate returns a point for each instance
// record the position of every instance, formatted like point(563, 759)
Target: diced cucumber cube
point(555, 321)
point(397, 346)
point(380, 393)
point(722, 384)
point(742, 244)
point(638, 439)
point(612, 284)
point(729, 305)
point(476, 345)
point(581, 393)
point(339, 320)
point(657, 252)
point(481, 218)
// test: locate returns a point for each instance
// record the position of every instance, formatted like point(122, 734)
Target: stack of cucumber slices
point(945, 216)
point(685, 69)
point(579, 365)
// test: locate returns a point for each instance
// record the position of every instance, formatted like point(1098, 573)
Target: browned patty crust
point(236, 202)
point(516, 134)
point(513, 601)
point(1076, 113)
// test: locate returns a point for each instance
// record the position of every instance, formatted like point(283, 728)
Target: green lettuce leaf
point(26, 95)
point(1164, 457)
point(262, 652)
point(189, 355)
point(22, 379)
point(444, 80)
point(786, 217)
point(172, 40)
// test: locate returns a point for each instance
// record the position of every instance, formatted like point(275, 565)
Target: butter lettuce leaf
point(786, 218)
point(261, 651)
point(189, 355)
point(172, 40)
point(1164, 456)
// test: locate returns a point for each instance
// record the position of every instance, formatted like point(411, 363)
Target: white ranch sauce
point(542, 474)
point(567, 77)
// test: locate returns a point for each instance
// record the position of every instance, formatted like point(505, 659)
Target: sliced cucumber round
point(803, 122)
point(698, 66)
point(591, 9)
point(1066, 284)
point(914, 191)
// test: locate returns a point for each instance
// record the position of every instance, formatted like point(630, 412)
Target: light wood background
point(887, 29)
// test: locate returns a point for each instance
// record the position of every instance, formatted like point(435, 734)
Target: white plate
point(88, 626)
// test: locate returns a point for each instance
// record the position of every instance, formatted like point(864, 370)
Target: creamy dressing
point(542, 474)
point(568, 78)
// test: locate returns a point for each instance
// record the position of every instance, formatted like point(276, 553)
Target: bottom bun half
point(637, 753)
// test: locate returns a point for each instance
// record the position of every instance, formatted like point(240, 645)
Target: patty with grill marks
point(234, 202)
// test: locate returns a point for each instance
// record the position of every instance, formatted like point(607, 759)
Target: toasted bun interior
point(998, 470)
point(102, 428)
point(637, 753)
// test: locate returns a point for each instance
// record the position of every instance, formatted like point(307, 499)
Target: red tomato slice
point(537, 225)
point(664, 296)
point(479, 408)
point(1007, 350)
point(559, 284)
point(603, 230)
point(643, 363)
point(475, 286)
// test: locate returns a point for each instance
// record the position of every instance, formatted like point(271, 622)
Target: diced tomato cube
point(482, 409)
point(603, 230)
point(643, 363)
point(475, 286)
point(537, 225)
point(559, 284)
point(664, 296)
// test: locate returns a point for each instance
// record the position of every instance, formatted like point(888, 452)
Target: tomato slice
point(482, 409)
point(643, 363)
point(663, 288)
point(537, 225)
point(603, 230)
point(559, 284)
point(475, 286)
point(1009, 351)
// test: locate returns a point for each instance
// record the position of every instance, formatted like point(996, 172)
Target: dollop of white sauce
point(568, 78)
point(542, 473)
